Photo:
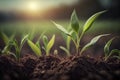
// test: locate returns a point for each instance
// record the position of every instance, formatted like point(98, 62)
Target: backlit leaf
point(45, 41)
point(107, 46)
point(35, 49)
point(92, 42)
point(50, 44)
point(61, 28)
point(90, 21)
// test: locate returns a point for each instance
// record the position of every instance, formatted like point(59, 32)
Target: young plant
point(76, 34)
point(12, 42)
point(107, 51)
point(48, 44)
point(18, 46)
point(8, 43)
point(36, 48)
point(67, 48)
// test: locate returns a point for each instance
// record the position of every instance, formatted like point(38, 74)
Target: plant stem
point(79, 41)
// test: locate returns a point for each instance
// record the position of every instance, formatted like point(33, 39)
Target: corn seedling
point(67, 48)
point(8, 43)
point(12, 42)
point(75, 29)
point(36, 48)
point(18, 46)
point(107, 51)
point(48, 44)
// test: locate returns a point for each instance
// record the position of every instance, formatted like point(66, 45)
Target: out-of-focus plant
point(11, 42)
point(8, 41)
point(107, 51)
point(67, 48)
point(36, 48)
point(48, 44)
point(76, 33)
point(18, 46)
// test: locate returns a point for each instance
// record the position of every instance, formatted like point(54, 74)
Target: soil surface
point(55, 68)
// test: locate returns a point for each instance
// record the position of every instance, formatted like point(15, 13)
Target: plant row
point(74, 34)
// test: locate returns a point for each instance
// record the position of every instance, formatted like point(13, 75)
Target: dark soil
point(56, 68)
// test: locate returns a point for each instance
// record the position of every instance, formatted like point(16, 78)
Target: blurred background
point(25, 14)
point(12, 10)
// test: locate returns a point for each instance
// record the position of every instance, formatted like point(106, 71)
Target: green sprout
point(76, 33)
point(36, 48)
point(107, 51)
point(8, 43)
point(48, 44)
point(18, 46)
point(12, 42)
point(67, 48)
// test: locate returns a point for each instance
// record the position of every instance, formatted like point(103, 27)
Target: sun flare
point(33, 6)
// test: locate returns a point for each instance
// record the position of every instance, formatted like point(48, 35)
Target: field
point(57, 66)
point(100, 26)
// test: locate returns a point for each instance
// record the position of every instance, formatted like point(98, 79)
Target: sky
point(8, 5)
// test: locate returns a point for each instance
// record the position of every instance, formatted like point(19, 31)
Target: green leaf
point(23, 40)
point(107, 46)
point(90, 21)
point(35, 49)
point(66, 50)
point(114, 51)
point(4, 37)
point(37, 44)
point(38, 41)
point(49, 45)
point(45, 41)
point(92, 42)
point(74, 22)
point(42, 34)
point(61, 28)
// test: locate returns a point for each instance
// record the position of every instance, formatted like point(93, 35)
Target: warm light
point(32, 6)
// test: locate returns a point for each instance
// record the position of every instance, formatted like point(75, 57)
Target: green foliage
point(18, 47)
point(90, 21)
point(75, 33)
point(4, 37)
point(11, 42)
point(36, 49)
point(75, 22)
point(66, 50)
point(8, 42)
point(107, 51)
point(92, 42)
point(60, 27)
point(48, 44)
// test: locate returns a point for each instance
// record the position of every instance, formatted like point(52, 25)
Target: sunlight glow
point(33, 6)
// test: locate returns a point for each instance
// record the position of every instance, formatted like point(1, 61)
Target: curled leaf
point(45, 41)
point(107, 46)
point(66, 50)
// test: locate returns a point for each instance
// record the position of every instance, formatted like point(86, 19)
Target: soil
point(56, 68)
